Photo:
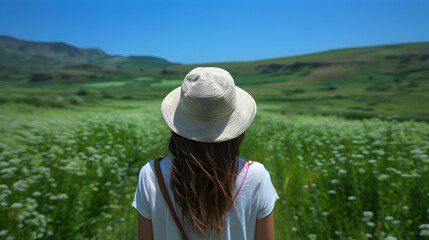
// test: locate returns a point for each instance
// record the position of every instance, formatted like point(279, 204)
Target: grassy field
point(70, 173)
point(344, 134)
point(353, 83)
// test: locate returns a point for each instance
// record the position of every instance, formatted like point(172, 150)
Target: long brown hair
point(202, 180)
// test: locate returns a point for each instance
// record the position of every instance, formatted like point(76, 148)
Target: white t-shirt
point(255, 200)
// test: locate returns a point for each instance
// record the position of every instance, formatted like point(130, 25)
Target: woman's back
point(208, 116)
point(255, 200)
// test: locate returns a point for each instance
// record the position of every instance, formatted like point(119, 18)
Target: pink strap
point(248, 164)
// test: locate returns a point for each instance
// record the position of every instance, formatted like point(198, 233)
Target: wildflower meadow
point(72, 174)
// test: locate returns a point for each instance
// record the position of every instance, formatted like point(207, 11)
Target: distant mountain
point(16, 52)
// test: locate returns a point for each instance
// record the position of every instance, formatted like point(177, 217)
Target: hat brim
point(219, 130)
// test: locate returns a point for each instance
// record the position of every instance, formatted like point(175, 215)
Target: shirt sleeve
point(267, 196)
point(141, 197)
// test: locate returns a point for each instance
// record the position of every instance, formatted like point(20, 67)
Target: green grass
point(104, 84)
point(71, 173)
point(342, 140)
point(168, 83)
point(357, 83)
point(143, 79)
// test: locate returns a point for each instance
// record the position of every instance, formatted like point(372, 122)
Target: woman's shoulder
point(257, 171)
point(148, 170)
point(256, 167)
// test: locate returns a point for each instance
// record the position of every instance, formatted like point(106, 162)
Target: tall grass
point(74, 176)
point(53, 101)
point(343, 179)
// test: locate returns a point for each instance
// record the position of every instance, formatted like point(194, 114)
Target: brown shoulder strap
point(166, 197)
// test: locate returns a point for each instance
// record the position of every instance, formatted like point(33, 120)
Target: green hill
point(357, 82)
point(15, 52)
point(343, 63)
point(18, 52)
point(353, 83)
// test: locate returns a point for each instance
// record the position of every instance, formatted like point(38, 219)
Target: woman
point(214, 194)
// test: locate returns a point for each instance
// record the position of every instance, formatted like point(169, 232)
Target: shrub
point(106, 95)
point(75, 100)
point(294, 91)
point(82, 92)
point(328, 88)
point(41, 77)
point(37, 101)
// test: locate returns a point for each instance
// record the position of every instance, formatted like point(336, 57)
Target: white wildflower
point(16, 205)
point(424, 233)
point(36, 194)
point(3, 233)
point(62, 196)
point(335, 181)
point(20, 185)
point(351, 198)
point(382, 177)
point(312, 236)
point(368, 214)
point(390, 238)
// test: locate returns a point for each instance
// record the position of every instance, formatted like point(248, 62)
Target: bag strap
point(167, 197)
point(247, 170)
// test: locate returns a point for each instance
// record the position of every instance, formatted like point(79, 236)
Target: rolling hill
point(356, 83)
point(329, 65)
point(16, 52)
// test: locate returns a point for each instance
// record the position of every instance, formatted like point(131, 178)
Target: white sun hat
point(208, 107)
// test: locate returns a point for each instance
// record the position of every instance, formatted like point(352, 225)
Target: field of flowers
point(342, 179)
point(72, 174)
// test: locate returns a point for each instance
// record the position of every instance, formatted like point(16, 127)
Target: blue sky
point(219, 30)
